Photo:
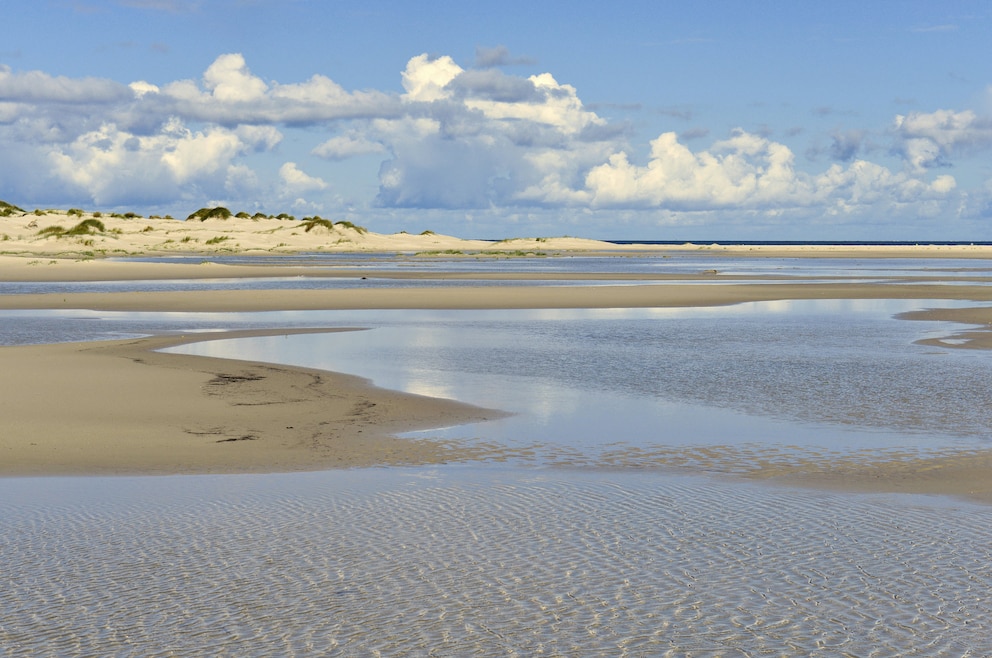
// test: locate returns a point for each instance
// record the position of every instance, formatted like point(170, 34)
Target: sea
point(615, 523)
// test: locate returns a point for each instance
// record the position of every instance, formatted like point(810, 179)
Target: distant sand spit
point(58, 234)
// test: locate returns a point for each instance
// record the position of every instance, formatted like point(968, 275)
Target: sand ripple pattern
point(472, 562)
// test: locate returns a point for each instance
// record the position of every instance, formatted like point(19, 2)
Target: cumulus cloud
point(928, 139)
point(39, 87)
point(111, 165)
point(342, 147)
point(746, 171)
point(297, 181)
point(454, 138)
point(481, 138)
point(229, 93)
point(425, 79)
point(229, 80)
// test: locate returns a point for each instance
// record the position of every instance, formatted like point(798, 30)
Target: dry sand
point(119, 407)
point(31, 235)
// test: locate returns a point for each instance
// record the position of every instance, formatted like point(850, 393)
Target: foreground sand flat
point(119, 407)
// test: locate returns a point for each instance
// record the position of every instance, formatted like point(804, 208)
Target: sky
point(641, 120)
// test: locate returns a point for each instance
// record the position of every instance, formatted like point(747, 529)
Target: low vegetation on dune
point(85, 227)
point(310, 223)
point(8, 209)
point(203, 214)
point(353, 227)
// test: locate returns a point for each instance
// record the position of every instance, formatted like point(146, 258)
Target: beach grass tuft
point(52, 231)
point(310, 223)
point(87, 227)
point(8, 209)
point(203, 214)
point(354, 227)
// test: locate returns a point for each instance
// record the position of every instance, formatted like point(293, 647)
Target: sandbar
point(122, 407)
point(119, 407)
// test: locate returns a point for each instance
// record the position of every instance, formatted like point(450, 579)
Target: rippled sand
point(454, 561)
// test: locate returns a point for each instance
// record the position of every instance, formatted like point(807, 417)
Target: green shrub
point(283, 215)
point(7, 209)
point(218, 239)
point(243, 215)
point(75, 211)
point(354, 227)
point(87, 227)
point(313, 222)
point(56, 231)
point(203, 214)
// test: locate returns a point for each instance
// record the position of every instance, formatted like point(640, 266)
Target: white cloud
point(929, 138)
point(347, 146)
point(297, 181)
point(425, 80)
point(230, 94)
point(111, 165)
point(39, 87)
point(549, 103)
point(230, 81)
point(745, 172)
point(455, 138)
point(140, 88)
point(478, 139)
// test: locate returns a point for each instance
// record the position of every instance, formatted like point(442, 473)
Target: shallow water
point(852, 270)
point(669, 263)
point(796, 375)
point(535, 557)
point(452, 561)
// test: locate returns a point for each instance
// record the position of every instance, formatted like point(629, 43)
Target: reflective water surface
point(816, 374)
point(360, 271)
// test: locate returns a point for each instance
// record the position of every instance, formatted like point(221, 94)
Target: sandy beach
point(122, 407)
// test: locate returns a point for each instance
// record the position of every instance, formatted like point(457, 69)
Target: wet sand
point(120, 407)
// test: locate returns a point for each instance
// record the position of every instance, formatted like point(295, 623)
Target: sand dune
point(59, 234)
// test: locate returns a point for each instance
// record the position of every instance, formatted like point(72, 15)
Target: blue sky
point(639, 120)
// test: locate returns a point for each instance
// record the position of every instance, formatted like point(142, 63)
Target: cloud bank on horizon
point(475, 147)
